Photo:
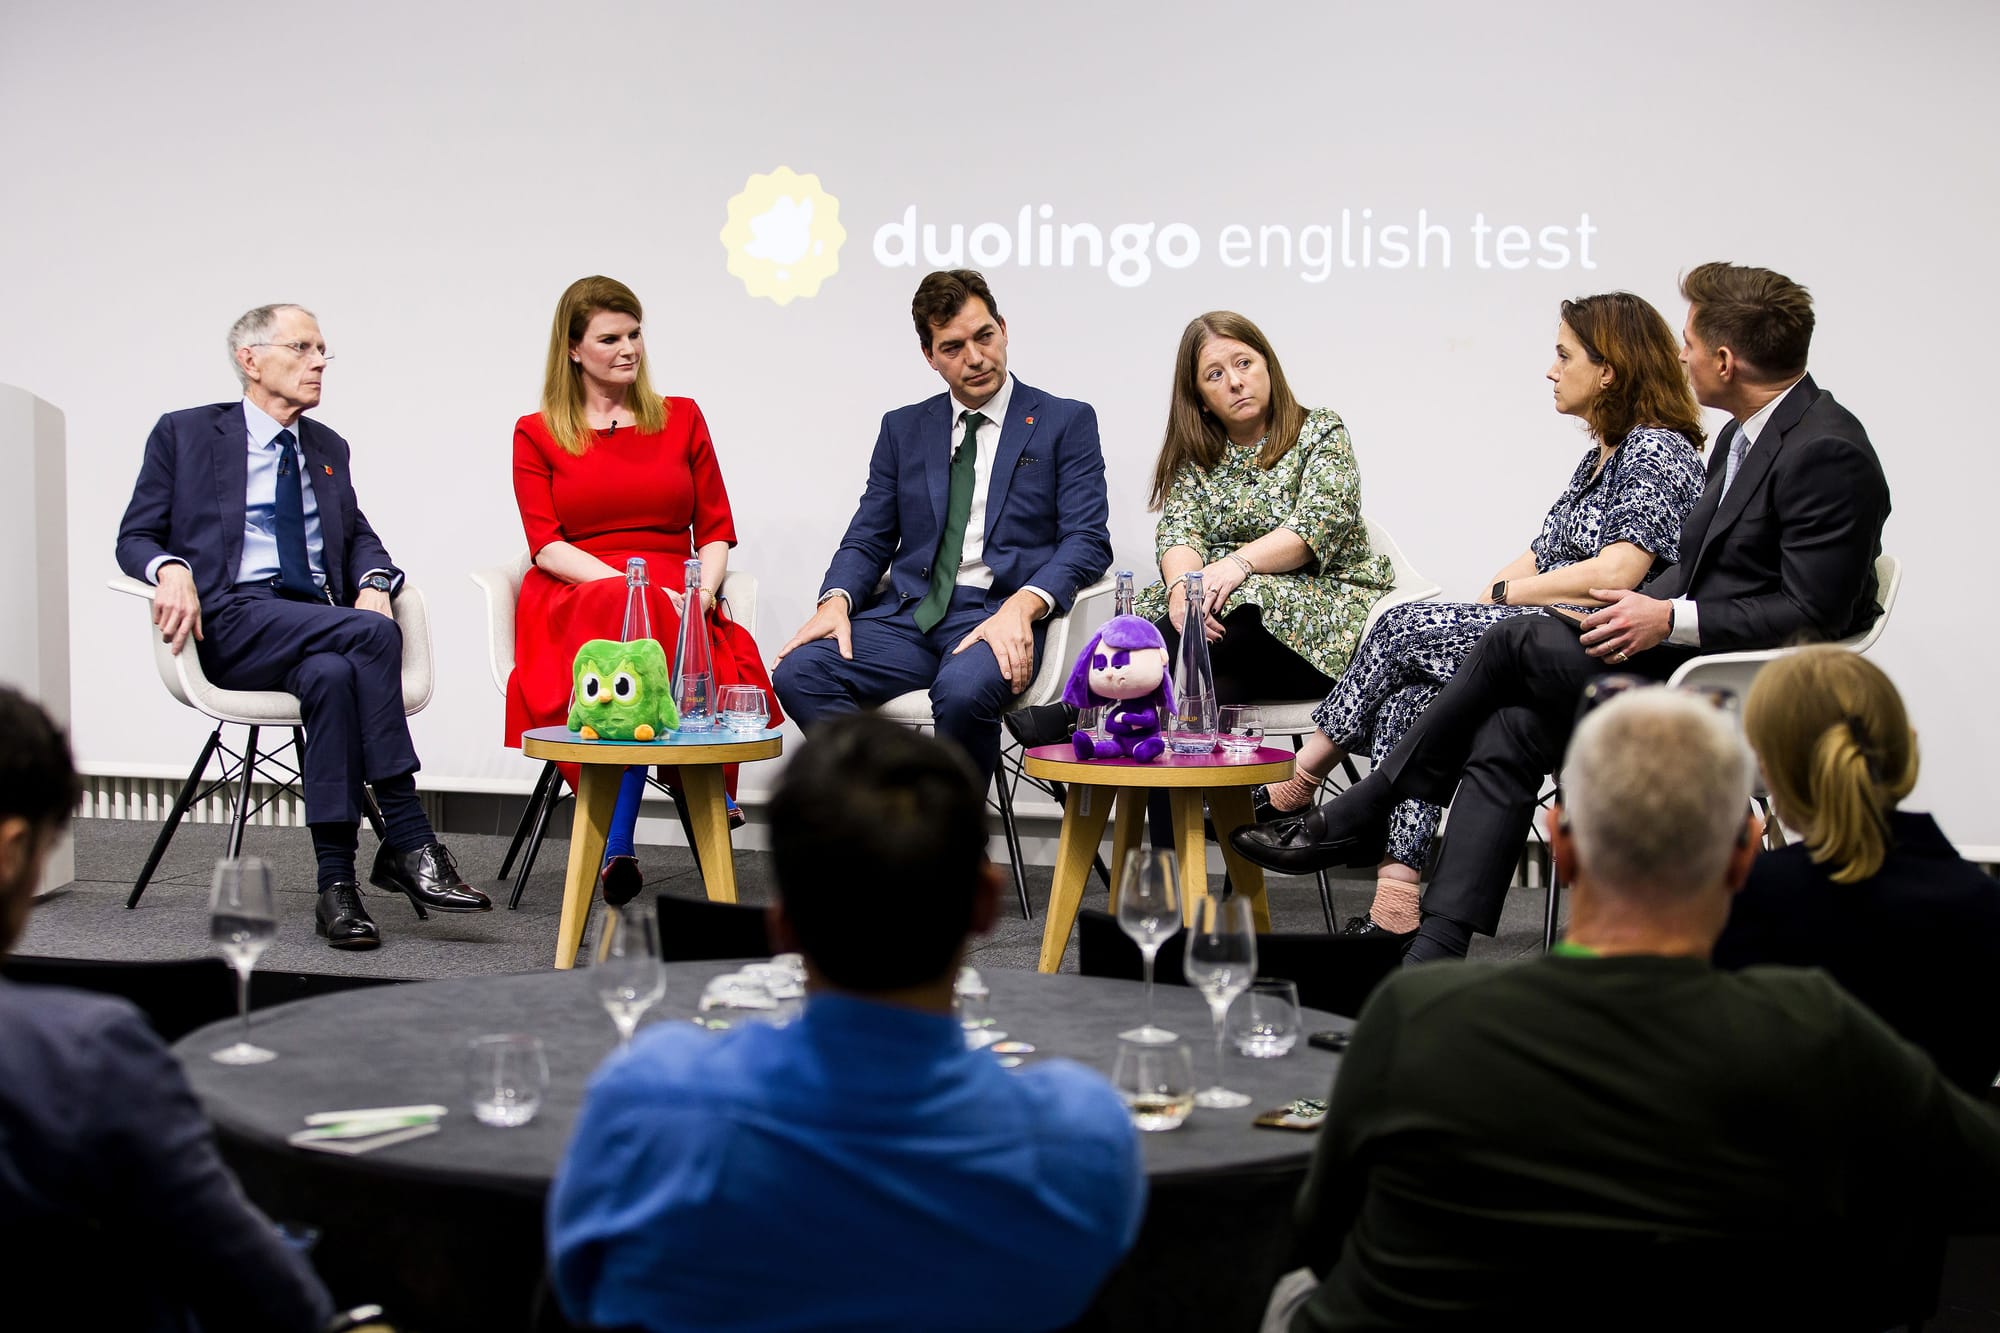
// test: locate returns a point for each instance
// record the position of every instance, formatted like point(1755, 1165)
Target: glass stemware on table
point(1221, 964)
point(627, 970)
point(1149, 910)
point(243, 919)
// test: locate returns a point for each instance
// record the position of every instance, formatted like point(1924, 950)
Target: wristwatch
point(379, 583)
point(1500, 593)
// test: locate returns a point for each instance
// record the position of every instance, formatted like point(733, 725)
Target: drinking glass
point(627, 970)
point(970, 998)
point(505, 1077)
point(242, 919)
point(744, 709)
point(1221, 963)
point(733, 998)
point(1156, 1082)
point(1264, 1021)
point(1240, 730)
point(1149, 910)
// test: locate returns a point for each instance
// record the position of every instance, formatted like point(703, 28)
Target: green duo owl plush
point(622, 691)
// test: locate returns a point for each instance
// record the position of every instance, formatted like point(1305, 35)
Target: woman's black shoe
point(621, 879)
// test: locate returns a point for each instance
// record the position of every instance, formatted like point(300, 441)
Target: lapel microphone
point(614, 427)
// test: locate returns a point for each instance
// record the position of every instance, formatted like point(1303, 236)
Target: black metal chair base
point(240, 768)
point(534, 825)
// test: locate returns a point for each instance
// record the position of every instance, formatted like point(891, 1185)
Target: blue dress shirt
point(260, 502)
point(858, 1169)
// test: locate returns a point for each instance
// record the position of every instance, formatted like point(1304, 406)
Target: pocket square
point(1025, 461)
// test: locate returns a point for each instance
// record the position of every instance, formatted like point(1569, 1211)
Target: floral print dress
point(1319, 610)
point(1641, 496)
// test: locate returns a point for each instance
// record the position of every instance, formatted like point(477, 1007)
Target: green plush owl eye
point(625, 686)
point(590, 687)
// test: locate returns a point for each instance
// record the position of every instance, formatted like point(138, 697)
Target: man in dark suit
point(115, 1208)
point(985, 507)
point(244, 516)
point(1780, 549)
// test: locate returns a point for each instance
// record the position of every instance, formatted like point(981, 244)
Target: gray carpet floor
point(88, 919)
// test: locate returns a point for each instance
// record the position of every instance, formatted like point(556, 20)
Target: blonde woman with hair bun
point(1873, 894)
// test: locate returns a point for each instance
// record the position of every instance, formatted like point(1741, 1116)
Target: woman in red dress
point(608, 470)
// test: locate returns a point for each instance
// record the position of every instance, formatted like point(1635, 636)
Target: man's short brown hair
point(941, 295)
point(1764, 318)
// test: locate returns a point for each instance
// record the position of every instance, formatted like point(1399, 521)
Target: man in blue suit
point(985, 509)
point(244, 516)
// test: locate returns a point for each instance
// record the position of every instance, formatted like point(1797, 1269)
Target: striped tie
point(1737, 448)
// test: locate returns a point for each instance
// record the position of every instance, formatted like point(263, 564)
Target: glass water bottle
point(1123, 594)
point(638, 620)
point(1193, 730)
point(694, 665)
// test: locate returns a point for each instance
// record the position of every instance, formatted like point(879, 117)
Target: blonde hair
point(1656, 789)
point(1838, 753)
point(1193, 436)
point(562, 378)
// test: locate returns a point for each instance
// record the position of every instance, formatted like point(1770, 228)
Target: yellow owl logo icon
point(783, 235)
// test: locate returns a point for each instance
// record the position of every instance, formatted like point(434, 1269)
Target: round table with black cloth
point(446, 1230)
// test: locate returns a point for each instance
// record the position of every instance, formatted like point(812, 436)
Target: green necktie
point(957, 513)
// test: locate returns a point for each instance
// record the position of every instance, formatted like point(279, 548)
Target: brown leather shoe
point(340, 917)
point(429, 878)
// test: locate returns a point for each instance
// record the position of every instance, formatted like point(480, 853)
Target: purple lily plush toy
point(1123, 669)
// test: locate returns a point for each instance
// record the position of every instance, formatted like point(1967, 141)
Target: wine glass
point(627, 969)
point(1221, 964)
point(242, 919)
point(1149, 910)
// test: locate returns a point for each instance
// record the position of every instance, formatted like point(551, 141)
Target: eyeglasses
point(300, 349)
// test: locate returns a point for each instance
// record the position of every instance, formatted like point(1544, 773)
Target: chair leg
point(542, 810)
point(687, 825)
point(1553, 904)
point(242, 815)
point(1013, 835)
point(181, 804)
point(527, 820)
point(374, 813)
point(1326, 901)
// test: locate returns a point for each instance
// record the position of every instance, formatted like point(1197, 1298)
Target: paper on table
point(430, 1112)
point(355, 1147)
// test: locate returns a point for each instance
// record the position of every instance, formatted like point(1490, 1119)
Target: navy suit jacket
point(1788, 556)
point(1918, 941)
point(192, 490)
point(114, 1203)
point(1047, 517)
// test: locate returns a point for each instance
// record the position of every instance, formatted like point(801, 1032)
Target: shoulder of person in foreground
point(1087, 1133)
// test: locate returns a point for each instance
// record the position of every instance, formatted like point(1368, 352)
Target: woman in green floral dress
point(1264, 498)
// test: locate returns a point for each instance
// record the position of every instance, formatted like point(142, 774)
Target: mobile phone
point(1329, 1040)
point(1573, 619)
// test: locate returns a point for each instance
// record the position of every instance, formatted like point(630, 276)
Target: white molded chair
point(1292, 718)
point(1737, 672)
point(1060, 644)
point(256, 709)
point(502, 586)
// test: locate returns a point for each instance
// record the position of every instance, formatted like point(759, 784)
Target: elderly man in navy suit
point(985, 508)
point(244, 516)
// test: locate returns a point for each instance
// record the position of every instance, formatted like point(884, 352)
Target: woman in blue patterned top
point(1617, 368)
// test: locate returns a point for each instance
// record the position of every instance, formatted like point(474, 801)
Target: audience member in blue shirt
point(860, 1168)
point(116, 1211)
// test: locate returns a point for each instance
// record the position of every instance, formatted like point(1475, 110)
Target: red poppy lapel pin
point(328, 467)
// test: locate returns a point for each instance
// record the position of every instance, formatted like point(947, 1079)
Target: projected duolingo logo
point(783, 235)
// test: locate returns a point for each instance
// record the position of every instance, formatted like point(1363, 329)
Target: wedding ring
point(1618, 658)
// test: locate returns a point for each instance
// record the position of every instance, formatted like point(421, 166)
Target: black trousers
point(345, 666)
point(1249, 664)
point(1485, 745)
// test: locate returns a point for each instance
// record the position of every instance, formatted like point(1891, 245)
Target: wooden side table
point(700, 757)
point(1095, 784)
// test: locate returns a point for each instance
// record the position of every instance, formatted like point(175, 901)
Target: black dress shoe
point(1044, 724)
point(620, 879)
point(340, 917)
point(1302, 844)
point(1366, 928)
point(430, 878)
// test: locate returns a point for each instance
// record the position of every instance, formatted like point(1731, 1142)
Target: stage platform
point(86, 921)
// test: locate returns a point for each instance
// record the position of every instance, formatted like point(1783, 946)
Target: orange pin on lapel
point(1029, 422)
point(328, 467)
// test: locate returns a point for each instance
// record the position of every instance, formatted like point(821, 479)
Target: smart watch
point(1500, 593)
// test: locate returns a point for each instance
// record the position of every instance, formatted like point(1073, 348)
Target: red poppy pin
point(1030, 421)
point(328, 467)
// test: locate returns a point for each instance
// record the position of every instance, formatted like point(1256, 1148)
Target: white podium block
point(34, 547)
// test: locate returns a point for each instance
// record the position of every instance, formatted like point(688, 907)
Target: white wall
point(428, 178)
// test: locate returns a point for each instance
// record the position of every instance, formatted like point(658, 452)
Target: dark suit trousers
point(1486, 744)
point(892, 657)
point(345, 666)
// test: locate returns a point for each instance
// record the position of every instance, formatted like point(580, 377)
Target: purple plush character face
point(1127, 659)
